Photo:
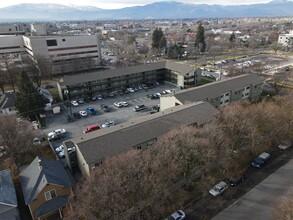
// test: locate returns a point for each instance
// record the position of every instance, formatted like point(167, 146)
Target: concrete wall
point(168, 102)
point(8, 42)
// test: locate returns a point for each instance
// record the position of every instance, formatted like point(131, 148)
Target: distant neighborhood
point(104, 119)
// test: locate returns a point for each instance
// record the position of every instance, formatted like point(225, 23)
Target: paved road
point(258, 202)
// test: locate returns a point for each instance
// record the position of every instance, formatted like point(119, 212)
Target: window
point(51, 43)
point(50, 194)
point(63, 40)
point(248, 87)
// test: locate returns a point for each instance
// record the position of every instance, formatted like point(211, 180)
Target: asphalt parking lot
point(119, 115)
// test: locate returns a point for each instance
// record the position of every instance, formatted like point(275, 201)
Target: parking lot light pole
point(66, 92)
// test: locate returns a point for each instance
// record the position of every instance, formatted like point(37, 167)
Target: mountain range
point(158, 10)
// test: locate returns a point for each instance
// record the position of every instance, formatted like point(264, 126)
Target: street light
point(66, 92)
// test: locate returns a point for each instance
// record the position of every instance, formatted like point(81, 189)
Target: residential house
point(8, 199)
point(220, 93)
point(7, 103)
point(46, 188)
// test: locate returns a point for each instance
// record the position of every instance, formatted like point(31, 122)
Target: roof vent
point(40, 164)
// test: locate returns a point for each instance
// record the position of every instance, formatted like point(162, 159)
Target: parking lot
point(119, 115)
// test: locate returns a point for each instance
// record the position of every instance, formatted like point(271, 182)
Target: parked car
point(83, 113)
point(74, 103)
point(284, 145)
point(120, 104)
point(153, 96)
point(156, 108)
point(105, 108)
point(76, 115)
point(138, 108)
point(235, 180)
point(56, 134)
point(61, 154)
point(91, 111)
point(108, 123)
point(59, 149)
point(178, 215)
point(80, 101)
point(91, 128)
point(36, 141)
point(261, 160)
point(130, 90)
point(219, 188)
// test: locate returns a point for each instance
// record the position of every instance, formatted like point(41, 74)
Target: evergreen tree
point(158, 38)
point(200, 42)
point(232, 37)
point(28, 100)
point(163, 42)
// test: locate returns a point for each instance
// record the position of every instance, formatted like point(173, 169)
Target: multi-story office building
point(66, 53)
point(218, 93)
point(97, 83)
point(10, 29)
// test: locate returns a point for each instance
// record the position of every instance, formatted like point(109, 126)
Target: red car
point(91, 128)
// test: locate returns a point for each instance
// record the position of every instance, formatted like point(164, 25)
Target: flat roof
point(215, 89)
point(181, 69)
point(120, 138)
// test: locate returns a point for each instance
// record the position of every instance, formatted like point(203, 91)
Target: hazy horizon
point(116, 4)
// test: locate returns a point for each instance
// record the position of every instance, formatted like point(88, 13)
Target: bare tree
point(17, 137)
point(284, 210)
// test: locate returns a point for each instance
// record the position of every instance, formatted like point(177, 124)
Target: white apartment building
point(66, 53)
point(286, 40)
point(38, 29)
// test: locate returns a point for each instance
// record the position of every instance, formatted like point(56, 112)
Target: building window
point(63, 40)
point(51, 43)
point(50, 194)
point(248, 87)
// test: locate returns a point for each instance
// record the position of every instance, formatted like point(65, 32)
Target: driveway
point(259, 202)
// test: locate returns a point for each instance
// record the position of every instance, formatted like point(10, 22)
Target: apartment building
point(140, 133)
point(66, 53)
point(220, 93)
point(286, 40)
point(97, 83)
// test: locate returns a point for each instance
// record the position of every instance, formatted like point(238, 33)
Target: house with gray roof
point(114, 80)
point(220, 93)
point(8, 199)
point(92, 148)
point(46, 187)
point(7, 103)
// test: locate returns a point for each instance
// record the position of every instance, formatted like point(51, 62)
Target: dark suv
point(105, 108)
point(138, 108)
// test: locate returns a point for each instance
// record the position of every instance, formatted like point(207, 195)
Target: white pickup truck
point(56, 134)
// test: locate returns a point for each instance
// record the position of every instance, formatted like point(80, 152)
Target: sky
point(114, 4)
